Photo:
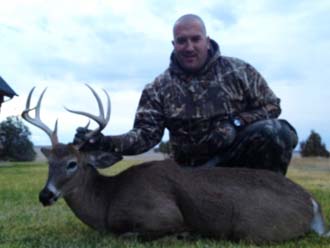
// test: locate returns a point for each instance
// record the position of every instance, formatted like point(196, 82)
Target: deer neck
point(90, 200)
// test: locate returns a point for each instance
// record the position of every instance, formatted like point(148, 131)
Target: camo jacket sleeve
point(148, 127)
point(261, 102)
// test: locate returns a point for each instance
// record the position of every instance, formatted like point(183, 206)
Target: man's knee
point(287, 131)
point(276, 131)
point(265, 144)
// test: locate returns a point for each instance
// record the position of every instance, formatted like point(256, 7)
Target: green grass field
point(25, 223)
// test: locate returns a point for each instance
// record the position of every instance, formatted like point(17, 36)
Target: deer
point(155, 199)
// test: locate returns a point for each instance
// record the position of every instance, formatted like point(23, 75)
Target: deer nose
point(46, 197)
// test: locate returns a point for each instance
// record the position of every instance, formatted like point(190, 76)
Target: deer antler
point(37, 121)
point(102, 120)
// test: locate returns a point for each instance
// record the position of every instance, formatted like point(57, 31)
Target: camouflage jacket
point(196, 109)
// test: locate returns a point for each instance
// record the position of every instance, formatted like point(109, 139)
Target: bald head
point(188, 19)
point(190, 43)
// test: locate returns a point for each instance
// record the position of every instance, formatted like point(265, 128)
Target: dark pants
point(266, 144)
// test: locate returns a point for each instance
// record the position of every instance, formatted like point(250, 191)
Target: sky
point(121, 46)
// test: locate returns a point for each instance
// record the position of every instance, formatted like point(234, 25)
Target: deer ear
point(102, 160)
point(45, 151)
point(74, 149)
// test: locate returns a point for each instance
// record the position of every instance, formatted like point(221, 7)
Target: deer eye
point(72, 165)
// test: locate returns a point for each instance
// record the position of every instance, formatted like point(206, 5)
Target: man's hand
point(87, 143)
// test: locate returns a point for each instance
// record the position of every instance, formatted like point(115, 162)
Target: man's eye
point(181, 41)
point(196, 39)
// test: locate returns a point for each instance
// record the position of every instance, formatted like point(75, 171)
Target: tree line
point(15, 143)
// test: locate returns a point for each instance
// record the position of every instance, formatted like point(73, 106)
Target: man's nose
point(189, 45)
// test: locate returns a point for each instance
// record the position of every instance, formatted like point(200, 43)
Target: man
point(219, 110)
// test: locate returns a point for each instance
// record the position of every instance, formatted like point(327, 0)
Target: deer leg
point(157, 226)
point(165, 236)
point(153, 235)
point(129, 235)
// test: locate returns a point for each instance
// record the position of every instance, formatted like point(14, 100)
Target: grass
point(25, 223)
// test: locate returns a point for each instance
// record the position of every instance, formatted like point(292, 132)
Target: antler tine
point(102, 119)
point(37, 121)
point(107, 119)
point(27, 105)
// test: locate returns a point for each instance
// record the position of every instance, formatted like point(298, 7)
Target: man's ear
point(208, 42)
point(173, 43)
point(46, 151)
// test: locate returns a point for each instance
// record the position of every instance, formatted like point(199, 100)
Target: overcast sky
point(122, 45)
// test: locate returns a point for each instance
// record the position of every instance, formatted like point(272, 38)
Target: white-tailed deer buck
point(159, 198)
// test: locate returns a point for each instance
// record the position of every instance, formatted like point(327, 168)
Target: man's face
point(190, 45)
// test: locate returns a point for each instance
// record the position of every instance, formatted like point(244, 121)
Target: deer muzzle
point(47, 197)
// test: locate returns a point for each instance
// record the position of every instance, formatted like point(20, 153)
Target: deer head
point(66, 161)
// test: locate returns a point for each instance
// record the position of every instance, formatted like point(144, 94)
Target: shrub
point(15, 144)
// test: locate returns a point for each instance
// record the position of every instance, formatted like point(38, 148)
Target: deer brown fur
point(158, 198)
